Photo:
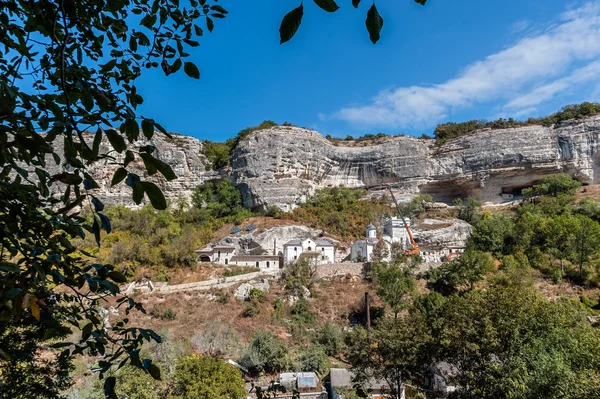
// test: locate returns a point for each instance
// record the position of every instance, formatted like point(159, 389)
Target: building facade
point(317, 251)
point(362, 251)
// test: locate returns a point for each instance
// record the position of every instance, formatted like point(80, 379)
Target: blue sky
point(448, 61)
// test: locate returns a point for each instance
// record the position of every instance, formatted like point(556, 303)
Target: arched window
point(257, 264)
point(226, 261)
point(309, 249)
point(219, 254)
point(268, 264)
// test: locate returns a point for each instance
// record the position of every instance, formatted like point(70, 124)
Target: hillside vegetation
point(450, 130)
point(163, 240)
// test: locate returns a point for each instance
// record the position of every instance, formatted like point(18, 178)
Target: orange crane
point(415, 248)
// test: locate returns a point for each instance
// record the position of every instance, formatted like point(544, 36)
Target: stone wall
point(339, 269)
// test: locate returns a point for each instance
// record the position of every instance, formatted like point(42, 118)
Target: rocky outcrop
point(436, 233)
point(283, 166)
point(182, 153)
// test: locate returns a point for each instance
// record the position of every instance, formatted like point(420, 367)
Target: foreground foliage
point(68, 68)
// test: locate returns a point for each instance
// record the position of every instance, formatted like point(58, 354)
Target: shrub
point(331, 338)
point(251, 309)
point(167, 314)
point(207, 377)
point(265, 354)
point(314, 359)
point(256, 295)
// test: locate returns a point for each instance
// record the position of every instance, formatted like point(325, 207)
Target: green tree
point(493, 234)
point(314, 359)
point(511, 342)
point(395, 286)
point(265, 353)
point(470, 268)
point(204, 377)
point(331, 337)
point(553, 185)
point(394, 351)
point(587, 240)
point(561, 236)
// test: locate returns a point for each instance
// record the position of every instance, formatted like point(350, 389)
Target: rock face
point(441, 233)
point(182, 153)
point(283, 165)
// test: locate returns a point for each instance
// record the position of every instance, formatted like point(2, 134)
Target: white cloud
point(529, 72)
point(520, 26)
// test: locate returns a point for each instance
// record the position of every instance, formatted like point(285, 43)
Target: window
point(309, 249)
point(295, 257)
point(226, 261)
point(323, 257)
point(295, 249)
point(219, 254)
point(257, 264)
point(323, 249)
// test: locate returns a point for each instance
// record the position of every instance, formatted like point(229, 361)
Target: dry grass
point(592, 192)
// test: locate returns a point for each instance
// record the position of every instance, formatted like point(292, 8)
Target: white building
point(225, 255)
point(321, 251)
point(363, 250)
point(264, 262)
point(395, 232)
point(221, 254)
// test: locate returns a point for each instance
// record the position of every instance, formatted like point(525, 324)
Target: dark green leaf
point(132, 129)
point(421, 2)
point(191, 70)
point(98, 205)
point(210, 24)
point(109, 388)
point(97, 142)
point(290, 24)
point(105, 222)
point(117, 277)
point(138, 192)
point(149, 163)
point(219, 8)
point(89, 183)
point(118, 177)
point(198, 30)
point(157, 199)
point(96, 231)
point(86, 331)
point(153, 165)
point(154, 372)
point(116, 140)
point(374, 23)
point(148, 127)
point(129, 157)
point(68, 178)
point(176, 65)
point(355, 3)
point(327, 5)
point(132, 178)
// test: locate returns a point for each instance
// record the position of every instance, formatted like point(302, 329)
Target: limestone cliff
point(182, 153)
point(283, 165)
